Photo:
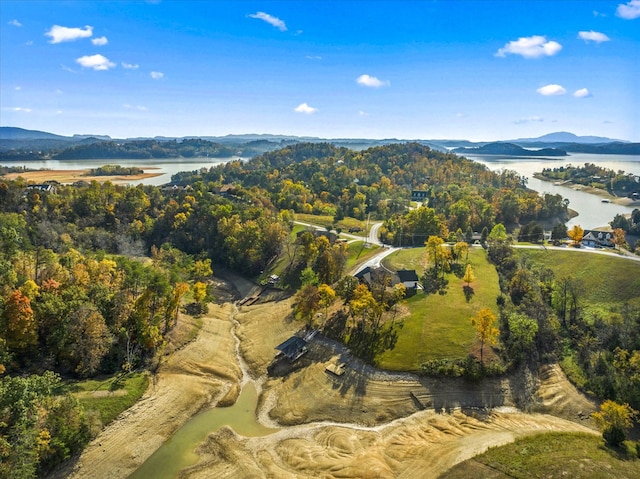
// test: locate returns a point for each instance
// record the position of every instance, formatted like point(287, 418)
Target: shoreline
point(622, 201)
point(68, 177)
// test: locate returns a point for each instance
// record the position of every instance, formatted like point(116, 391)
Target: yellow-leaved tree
point(613, 419)
point(486, 332)
point(575, 234)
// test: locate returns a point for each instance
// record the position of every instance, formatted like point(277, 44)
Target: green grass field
point(551, 455)
point(439, 326)
point(108, 397)
point(605, 280)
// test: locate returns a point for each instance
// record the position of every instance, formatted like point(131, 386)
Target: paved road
point(372, 238)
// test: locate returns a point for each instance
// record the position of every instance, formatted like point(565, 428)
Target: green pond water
point(179, 451)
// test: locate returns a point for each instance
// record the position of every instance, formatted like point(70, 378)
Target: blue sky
point(480, 70)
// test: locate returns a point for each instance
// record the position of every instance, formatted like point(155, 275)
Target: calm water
point(166, 166)
point(179, 451)
point(592, 213)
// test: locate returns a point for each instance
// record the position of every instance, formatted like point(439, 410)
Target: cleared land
point(71, 176)
point(439, 326)
point(605, 280)
point(362, 424)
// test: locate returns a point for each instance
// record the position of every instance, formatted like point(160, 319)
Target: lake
point(166, 166)
point(592, 212)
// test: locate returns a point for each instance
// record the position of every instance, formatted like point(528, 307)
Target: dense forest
point(95, 149)
point(377, 184)
point(92, 276)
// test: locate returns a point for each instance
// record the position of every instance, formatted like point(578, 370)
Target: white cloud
point(15, 23)
point(551, 90)
point(271, 20)
point(363, 113)
point(20, 109)
point(99, 41)
point(313, 57)
point(582, 93)
point(372, 82)
point(60, 34)
point(96, 62)
point(596, 13)
point(129, 66)
point(630, 10)
point(304, 108)
point(157, 75)
point(531, 119)
point(592, 36)
point(18, 88)
point(535, 46)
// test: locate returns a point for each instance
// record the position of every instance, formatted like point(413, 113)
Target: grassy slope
point(606, 280)
point(550, 455)
point(109, 397)
point(439, 326)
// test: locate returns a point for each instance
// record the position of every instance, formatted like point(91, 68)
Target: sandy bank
point(67, 177)
point(366, 423)
point(190, 380)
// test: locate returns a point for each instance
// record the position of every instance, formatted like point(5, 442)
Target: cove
point(179, 451)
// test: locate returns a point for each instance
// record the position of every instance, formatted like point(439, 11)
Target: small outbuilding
point(408, 277)
point(293, 348)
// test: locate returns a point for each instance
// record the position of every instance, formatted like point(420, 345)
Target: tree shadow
point(468, 292)
point(367, 343)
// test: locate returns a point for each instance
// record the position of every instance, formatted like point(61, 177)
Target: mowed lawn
point(605, 281)
point(439, 326)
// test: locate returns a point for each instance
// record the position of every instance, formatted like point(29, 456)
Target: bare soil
point(71, 176)
point(365, 423)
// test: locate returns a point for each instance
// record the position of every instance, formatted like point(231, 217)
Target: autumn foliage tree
point(575, 234)
point(485, 331)
point(613, 420)
point(469, 277)
point(19, 323)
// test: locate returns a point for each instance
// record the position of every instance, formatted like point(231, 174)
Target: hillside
point(509, 149)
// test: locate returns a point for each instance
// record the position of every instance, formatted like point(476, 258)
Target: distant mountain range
point(566, 137)
point(32, 144)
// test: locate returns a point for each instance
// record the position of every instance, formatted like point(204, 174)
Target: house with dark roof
point(408, 277)
point(292, 349)
point(364, 275)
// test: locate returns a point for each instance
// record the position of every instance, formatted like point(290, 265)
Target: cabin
point(419, 195)
point(44, 187)
point(364, 276)
point(292, 349)
point(408, 277)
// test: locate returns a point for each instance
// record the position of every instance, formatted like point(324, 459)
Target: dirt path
point(362, 424)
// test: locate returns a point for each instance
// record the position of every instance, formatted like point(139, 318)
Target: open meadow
point(438, 326)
